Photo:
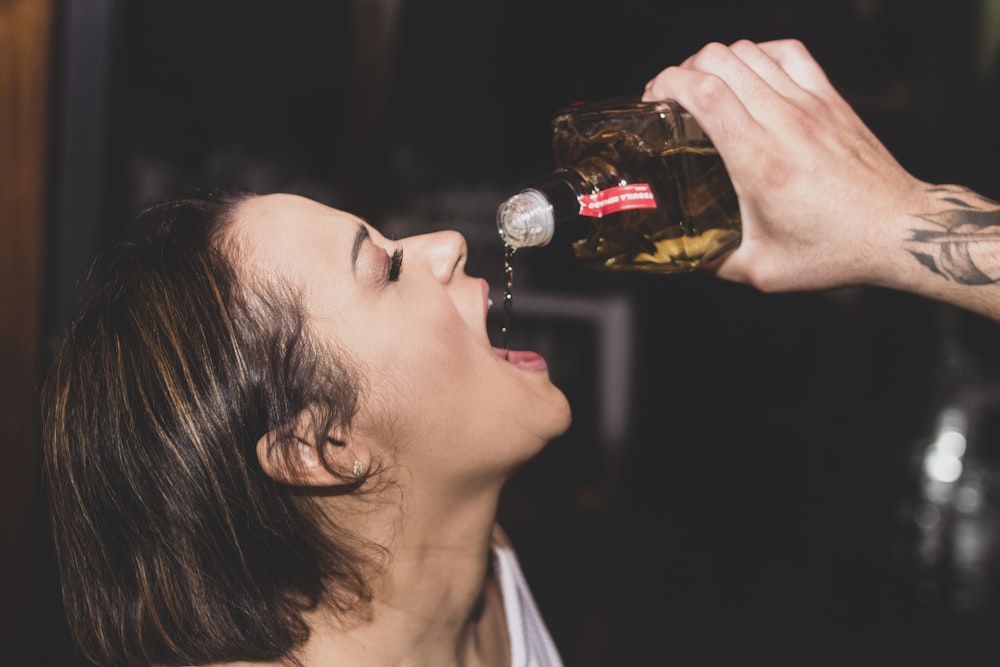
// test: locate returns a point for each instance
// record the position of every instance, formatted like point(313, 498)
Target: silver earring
point(358, 469)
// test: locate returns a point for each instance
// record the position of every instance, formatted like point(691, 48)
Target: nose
point(445, 253)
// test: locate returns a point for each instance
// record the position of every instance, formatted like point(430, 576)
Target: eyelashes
point(395, 264)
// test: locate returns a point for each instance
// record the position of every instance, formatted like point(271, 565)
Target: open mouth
point(524, 359)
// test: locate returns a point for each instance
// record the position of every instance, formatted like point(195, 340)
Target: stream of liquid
point(508, 299)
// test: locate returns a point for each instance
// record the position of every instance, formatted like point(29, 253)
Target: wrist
point(949, 248)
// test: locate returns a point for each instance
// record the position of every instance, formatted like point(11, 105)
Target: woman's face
point(439, 393)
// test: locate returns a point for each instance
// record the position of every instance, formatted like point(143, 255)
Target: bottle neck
point(529, 218)
point(563, 189)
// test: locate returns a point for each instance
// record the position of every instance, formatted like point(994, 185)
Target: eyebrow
point(360, 237)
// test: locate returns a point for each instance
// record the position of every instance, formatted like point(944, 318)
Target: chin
point(562, 416)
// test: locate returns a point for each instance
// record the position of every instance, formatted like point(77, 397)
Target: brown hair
point(173, 546)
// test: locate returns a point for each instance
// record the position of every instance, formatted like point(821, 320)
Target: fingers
point(751, 70)
point(747, 86)
point(762, 75)
point(798, 64)
point(717, 107)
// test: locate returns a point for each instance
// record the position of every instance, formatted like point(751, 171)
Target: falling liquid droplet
point(508, 299)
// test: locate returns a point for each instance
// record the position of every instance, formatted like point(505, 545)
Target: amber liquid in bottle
point(646, 178)
point(696, 217)
point(642, 183)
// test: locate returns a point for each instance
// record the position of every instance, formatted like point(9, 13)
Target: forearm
point(952, 250)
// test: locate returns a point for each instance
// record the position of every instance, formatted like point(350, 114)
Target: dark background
point(762, 497)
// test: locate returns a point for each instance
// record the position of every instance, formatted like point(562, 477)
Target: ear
point(302, 461)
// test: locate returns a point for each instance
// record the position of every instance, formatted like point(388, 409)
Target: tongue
point(529, 361)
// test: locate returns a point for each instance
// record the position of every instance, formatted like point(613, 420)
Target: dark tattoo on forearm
point(974, 222)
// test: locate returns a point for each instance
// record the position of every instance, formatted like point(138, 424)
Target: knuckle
point(708, 91)
point(794, 46)
point(743, 46)
point(710, 55)
point(776, 171)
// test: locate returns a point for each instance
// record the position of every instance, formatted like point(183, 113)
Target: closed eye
point(396, 264)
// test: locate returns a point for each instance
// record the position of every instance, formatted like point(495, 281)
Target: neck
point(436, 600)
point(436, 606)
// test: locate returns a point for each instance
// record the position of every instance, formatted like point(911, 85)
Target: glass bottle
point(647, 179)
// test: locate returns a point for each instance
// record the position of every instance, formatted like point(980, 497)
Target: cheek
point(412, 399)
point(420, 358)
point(425, 343)
point(428, 377)
point(424, 370)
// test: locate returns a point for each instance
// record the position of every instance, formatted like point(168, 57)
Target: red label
point(618, 198)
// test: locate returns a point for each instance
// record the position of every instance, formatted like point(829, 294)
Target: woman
point(271, 440)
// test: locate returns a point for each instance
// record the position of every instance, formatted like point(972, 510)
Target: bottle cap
point(526, 219)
